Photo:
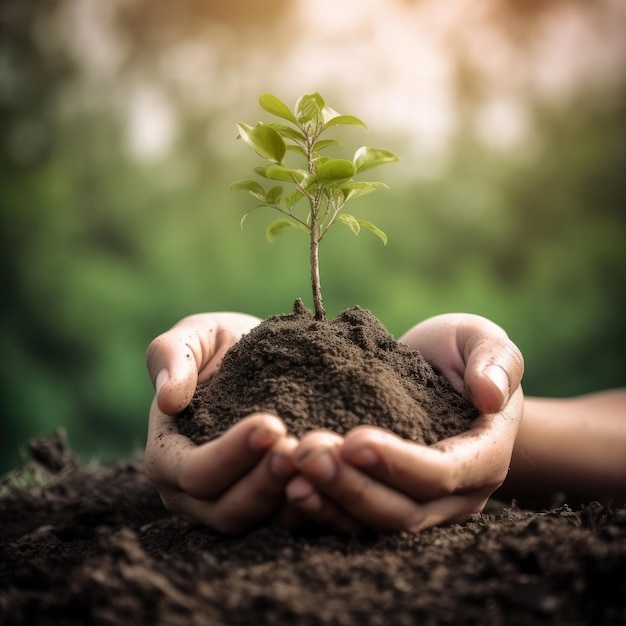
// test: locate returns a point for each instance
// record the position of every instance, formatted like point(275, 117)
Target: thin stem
point(314, 201)
point(320, 313)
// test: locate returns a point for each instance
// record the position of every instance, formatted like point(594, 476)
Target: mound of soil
point(86, 545)
point(334, 374)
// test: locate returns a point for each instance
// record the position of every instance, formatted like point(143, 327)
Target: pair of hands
point(367, 478)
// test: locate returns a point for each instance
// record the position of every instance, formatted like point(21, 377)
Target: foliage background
point(117, 142)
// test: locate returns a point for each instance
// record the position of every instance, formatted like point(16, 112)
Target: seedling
point(326, 183)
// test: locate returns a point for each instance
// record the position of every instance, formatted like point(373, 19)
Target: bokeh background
point(118, 141)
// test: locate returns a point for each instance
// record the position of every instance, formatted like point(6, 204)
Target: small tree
point(326, 183)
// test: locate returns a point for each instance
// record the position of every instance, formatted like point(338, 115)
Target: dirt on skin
point(334, 374)
point(95, 546)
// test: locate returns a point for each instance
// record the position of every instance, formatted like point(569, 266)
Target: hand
point(231, 483)
point(190, 353)
point(372, 478)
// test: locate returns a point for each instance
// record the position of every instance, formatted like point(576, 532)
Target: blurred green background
point(117, 140)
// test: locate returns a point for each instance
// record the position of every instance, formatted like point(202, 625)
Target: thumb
point(493, 372)
point(173, 369)
point(174, 394)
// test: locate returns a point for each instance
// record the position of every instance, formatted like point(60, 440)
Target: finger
point(173, 360)
point(476, 459)
point(330, 486)
point(190, 509)
point(165, 448)
point(315, 507)
point(259, 495)
point(208, 470)
point(302, 493)
point(418, 517)
point(191, 352)
point(216, 334)
point(494, 365)
point(455, 508)
point(473, 353)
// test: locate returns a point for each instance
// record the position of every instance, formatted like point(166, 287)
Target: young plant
point(326, 183)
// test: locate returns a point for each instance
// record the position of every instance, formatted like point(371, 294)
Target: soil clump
point(334, 374)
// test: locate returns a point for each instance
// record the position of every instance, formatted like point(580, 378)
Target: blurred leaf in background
point(117, 143)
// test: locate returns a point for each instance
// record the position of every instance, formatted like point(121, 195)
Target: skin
point(368, 478)
point(230, 484)
point(576, 446)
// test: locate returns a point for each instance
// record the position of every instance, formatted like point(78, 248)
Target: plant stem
point(314, 202)
point(320, 313)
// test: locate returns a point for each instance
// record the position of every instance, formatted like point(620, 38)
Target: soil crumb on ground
point(83, 545)
point(334, 374)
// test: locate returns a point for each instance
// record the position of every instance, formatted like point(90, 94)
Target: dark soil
point(84, 545)
point(334, 374)
point(95, 546)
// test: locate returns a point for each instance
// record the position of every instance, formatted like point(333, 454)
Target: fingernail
point(299, 490)
point(161, 379)
point(363, 457)
point(260, 439)
point(281, 465)
point(319, 465)
point(499, 378)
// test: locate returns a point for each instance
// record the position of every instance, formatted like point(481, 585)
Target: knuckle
point(356, 492)
point(496, 479)
point(446, 481)
point(168, 502)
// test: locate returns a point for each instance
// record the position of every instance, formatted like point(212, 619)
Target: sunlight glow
point(417, 71)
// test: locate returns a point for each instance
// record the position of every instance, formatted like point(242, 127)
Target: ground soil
point(94, 545)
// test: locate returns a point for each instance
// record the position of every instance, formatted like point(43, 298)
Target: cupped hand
point(370, 478)
point(236, 481)
point(191, 352)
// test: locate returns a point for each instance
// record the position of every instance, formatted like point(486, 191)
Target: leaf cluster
point(327, 183)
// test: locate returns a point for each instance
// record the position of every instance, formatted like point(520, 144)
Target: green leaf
point(309, 108)
point(334, 171)
point(280, 172)
point(278, 227)
point(292, 198)
point(273, 196)
point(325, 143)
point(251, 186)
point(328, 113)
point(374, 229)
point(350, 221)
point(287, 131)
point(274, 105)
point(264, 140)
point(243, 219)
point(320, 160)
point(366, 158)
point(357, 188)
point(344, 119)
point(297, 150)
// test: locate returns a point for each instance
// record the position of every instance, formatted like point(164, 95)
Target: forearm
point(576, 446)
